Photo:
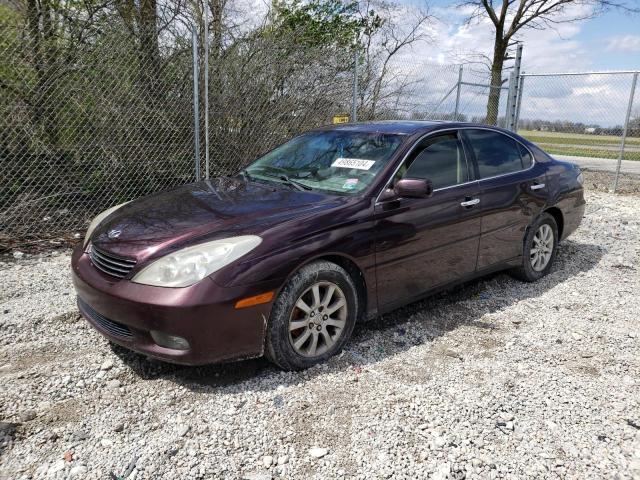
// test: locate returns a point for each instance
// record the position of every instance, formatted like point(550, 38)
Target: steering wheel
point(277, 169)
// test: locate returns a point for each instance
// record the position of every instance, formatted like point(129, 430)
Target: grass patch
point(587, 152)
point(583, 145)
point(575, 138)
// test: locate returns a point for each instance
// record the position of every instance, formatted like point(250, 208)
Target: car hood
point(202, 211)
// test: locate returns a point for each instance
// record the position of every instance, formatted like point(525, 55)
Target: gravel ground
point(628, 183)
point(497, 379)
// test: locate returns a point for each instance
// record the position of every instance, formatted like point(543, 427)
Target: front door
point(423, 243)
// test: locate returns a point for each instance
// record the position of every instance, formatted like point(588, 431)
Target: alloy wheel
point(318, 319)
point(542, 247)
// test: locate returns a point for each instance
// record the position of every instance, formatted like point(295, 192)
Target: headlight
point(190, 265)
point(98, 220)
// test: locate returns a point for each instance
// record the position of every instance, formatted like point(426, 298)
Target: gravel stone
point(113, 384)
point(318, 452)
point(107, 365)
point(106, 442)
point(78, 471)
point(439, 442)
point(27, 416)
point(58, 466)
point(256, 476)
point(427, 391)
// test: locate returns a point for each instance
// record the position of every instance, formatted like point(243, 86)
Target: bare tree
point(382, 43)
point(511, 17)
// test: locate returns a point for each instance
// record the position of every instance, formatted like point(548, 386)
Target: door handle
point(537, 186)
point(470, 203)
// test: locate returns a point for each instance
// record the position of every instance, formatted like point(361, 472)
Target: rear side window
point(497, 154)
point(439, 159)
point(527, 161)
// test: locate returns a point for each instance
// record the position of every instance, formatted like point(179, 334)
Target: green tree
point(321, 23)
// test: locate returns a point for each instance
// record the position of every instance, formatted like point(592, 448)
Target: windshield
point(335, 161)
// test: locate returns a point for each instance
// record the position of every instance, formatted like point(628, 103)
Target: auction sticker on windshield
point(357, 163)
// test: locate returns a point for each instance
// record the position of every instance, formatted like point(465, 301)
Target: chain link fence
point(88, 125)
point(413, 90)
point(582, 115)
point(93, 117)
point(266, 90)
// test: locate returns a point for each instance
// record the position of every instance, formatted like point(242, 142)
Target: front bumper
point(203, 314)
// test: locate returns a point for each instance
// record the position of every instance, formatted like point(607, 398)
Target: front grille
point(110, 264)
point(114, 328)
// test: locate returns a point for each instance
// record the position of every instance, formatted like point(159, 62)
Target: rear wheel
point(313, 316)
point(540, 246)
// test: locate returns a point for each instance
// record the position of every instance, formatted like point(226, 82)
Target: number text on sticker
point(357, 163)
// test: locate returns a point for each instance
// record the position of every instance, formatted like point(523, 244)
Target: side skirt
point(514, 262)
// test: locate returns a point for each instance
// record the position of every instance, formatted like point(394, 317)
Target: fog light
point(169, 341)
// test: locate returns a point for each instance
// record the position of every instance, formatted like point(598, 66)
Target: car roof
point(400, 127)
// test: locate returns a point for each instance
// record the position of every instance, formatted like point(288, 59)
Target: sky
point(605, 43)
point(608, 42)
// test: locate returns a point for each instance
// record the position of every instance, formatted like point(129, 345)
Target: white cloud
point(592, 99)
point(624, 43)
point(549, 49)
point(597, 99)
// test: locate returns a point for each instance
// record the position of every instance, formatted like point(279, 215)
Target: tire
point(296, 306)
point(532, 270)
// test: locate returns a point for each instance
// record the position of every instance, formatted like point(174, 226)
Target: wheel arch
point(352, 268)
point(557, 215)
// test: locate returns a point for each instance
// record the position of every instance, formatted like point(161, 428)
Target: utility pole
point(512, 98)
point(206, 89)
point(459, 86)
point(634, 82)
point(354, 100)
point(196, 105)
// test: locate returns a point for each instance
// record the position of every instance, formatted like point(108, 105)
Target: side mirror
point(413, 188)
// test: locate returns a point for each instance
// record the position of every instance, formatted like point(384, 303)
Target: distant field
point(583, 145)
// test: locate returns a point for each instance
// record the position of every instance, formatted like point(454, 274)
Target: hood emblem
point(114, 233)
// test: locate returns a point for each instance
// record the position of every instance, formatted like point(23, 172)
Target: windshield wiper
point(289, 181)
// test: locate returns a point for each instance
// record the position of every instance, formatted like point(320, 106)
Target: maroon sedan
point(335, 226)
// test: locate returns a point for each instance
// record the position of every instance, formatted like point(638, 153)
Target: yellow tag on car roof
point(342, 118)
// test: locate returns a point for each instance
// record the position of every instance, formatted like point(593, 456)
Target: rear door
point(512, 193)
point(426, 242)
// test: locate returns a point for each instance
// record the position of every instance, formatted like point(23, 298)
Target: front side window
point(496, 153)
point(339, 161)
point(439, 159)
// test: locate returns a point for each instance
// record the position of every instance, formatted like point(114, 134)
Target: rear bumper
point(573, 212)
point(203, 314)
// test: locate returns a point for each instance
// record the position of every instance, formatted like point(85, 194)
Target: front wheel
point(540, 246)
point(313, 316)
